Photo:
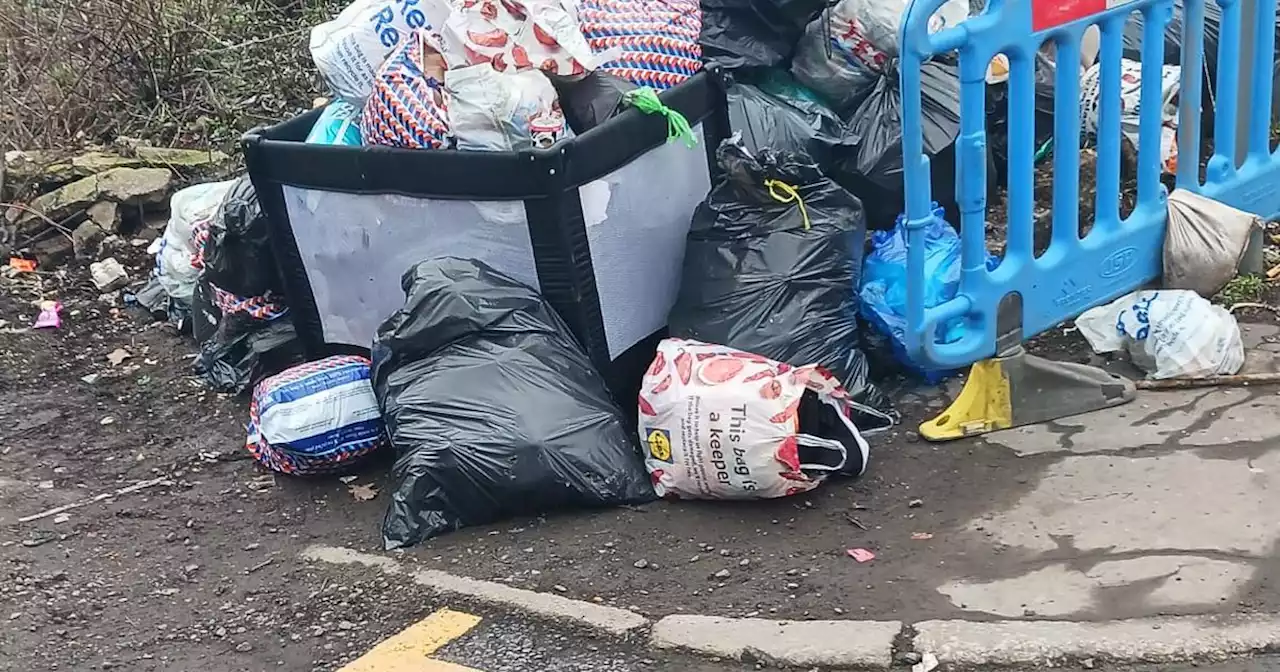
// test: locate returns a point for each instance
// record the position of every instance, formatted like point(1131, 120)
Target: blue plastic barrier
point(1118, 255)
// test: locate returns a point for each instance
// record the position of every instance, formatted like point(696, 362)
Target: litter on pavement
point(1168, 333)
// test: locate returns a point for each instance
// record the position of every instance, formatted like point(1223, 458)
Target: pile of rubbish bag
point(216, 272)
point(1176, 331)
point(477, 387)
point(494, 75)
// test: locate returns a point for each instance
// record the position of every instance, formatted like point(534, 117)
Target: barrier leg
point(1021, 389)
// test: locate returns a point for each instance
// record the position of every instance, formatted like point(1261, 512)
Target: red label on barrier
point(1050, 13)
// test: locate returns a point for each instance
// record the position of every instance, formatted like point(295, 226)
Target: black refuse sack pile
point(826, 83)
point(215, 270)
point(238, 310)
point(492, 407)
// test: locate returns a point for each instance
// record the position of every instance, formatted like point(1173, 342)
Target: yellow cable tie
point(789, 195)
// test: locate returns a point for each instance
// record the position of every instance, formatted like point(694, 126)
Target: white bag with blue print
point(1168, 333)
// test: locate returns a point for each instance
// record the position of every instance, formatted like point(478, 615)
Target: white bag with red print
point(720, 423)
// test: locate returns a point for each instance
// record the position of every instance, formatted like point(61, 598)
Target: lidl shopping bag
point(720, 423)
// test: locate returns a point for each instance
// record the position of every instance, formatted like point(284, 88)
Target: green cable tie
point(646, 100)
point(1044, 151)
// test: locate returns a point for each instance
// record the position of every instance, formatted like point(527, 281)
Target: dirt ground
point(202, 566)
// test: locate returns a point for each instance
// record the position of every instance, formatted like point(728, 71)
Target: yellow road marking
point(408, 650)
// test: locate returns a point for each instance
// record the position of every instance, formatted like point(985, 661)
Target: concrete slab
point(1255, 420)
point(1257, 336)
point(842, 644)
point(1156, 640)
point(1148, 583)
point(1173, 502)
point(1156, 417)
point(1149, 420)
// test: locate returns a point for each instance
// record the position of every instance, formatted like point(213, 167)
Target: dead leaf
point(118, 355)
point(921, 536)
point(363, 492)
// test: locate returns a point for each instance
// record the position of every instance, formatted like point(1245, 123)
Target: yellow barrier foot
point(1022, 389)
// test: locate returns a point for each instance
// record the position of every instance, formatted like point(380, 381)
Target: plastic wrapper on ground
point(492, 407)
point(770, 264)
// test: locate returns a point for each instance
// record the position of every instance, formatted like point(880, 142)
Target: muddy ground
point(201, 566)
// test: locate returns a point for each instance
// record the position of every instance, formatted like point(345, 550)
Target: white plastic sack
point(175, 249)
point(1130, 103)
point(349, 49)
point(515, 35)
point(1204, 242)
point(492, 111)
point(868, 29)
point(720, 423)
point(1168, 333)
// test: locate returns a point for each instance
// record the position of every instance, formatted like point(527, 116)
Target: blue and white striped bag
point(315, 418)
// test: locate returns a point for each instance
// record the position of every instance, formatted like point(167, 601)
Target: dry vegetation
point(173, 72)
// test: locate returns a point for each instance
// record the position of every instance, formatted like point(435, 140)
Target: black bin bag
point(237, 349)
point(789, 123)
point(238, 255)
point(591, 99)
point(754, 33)
point(998, 117)
point(492, 407)
point(771, 266)
point(872, 167)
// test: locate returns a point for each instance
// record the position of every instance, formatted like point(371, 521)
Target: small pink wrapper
point(861, 554)
point(48, 317)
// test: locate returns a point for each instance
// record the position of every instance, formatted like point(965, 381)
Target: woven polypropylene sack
point(658, 38)
point(408, 107)
point(315, 418)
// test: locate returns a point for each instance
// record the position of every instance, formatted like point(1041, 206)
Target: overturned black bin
point(597, 223)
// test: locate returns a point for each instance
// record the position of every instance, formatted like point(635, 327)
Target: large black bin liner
point(493, 408)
